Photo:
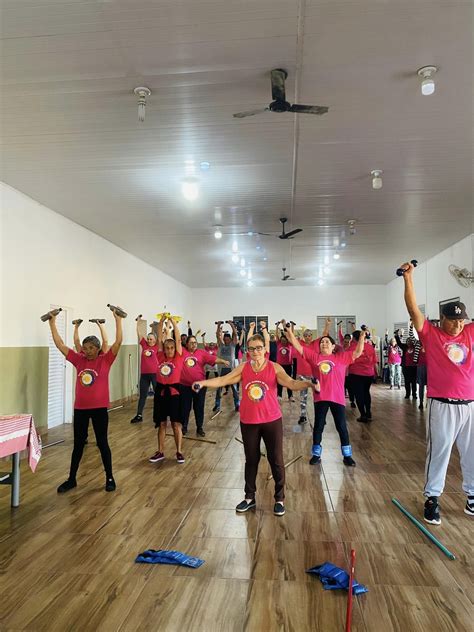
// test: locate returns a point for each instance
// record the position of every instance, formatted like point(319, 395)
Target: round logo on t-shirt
point(284, 351)
point(457, 352)
point(325, 367)
point(190, 362)
point(166, 369)
point(147, 353)
point(87, 378)
point(256, 391)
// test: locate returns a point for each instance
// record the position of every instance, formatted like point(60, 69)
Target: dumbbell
point(196, 387)
point(49, 315)
point(401, 271)
point(97, 320)
point(117, 310)
point(139, 316)
point(219, 322)
point(78, 321)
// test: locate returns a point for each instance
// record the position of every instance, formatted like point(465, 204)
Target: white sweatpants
point(448, 424)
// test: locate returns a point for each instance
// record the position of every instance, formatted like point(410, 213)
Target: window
point(244, 321)
point(346, 325)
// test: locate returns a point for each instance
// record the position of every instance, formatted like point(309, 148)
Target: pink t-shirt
point(193, 366)
point(211, 350)
point(394, 356)
point(149, 363)
point(259, 403)
point(169, 369)
point(408, 356)
point(92, 382)
point(302, 365)
point(421, 357)
point(330, 370)
point(365, 363)
point(284, 355)
point(450, 362)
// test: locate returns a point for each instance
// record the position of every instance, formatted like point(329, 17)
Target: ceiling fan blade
point(291, 234)
point(308, 109)
point(250, 112)
point(278, 84)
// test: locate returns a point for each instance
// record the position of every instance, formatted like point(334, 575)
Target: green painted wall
point(24, 380)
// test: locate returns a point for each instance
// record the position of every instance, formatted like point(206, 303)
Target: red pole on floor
point(349, 596)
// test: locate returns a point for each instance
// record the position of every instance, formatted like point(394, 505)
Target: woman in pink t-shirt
point(394, 361)
point(329, 367)
point(148, 368)
point(92, 398)
point(284, 359)
point(362, 372)
point(260, 417)
point(167, 400)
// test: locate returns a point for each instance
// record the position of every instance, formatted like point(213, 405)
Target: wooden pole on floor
point(168, 434)
point(240, 441)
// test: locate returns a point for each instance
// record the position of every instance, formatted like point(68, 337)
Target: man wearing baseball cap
point(450, 366)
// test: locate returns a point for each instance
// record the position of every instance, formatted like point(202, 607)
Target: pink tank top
point(259, 403)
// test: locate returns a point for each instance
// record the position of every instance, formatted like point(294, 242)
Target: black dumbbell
point(401, 271)
point(117, 310)
point(97, 320)
point(219, 322)
point(138, 317)
point(196, 387)
point(78, 321)
point(49, 315)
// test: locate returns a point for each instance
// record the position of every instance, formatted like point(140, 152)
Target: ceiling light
point(336, 256)
point(235, 258)
point(343, 244)
point(327, 270)
point(352, 228)
point(249, 283)
point(250, 233)
point(204, 165)
point(142, 93)
point(190, 189)
point(249, 274)
point(326, 259)
point(235, 246)
point(242, 272)
point(218, 232)
point(320, 281)
point(428, 84)
point(376, 178)
point(264, 259)
point(242, 262)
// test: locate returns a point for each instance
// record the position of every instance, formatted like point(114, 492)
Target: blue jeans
point(235, 394)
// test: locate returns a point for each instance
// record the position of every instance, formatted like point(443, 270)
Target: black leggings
point(195, 400)
point(289, 370)
point(339, 415)
point(409, 373)
point(145, 380)
point(349, 388)
point(361, 385)
point(272, 435)
point(100, 423)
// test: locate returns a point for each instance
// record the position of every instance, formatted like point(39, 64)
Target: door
point(57, 375)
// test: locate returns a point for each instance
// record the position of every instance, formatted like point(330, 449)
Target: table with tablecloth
point(18, 433)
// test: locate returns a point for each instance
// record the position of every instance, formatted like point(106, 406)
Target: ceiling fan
point(462, 275)
point(279, 103)
point(286, 277)
point(282, 235)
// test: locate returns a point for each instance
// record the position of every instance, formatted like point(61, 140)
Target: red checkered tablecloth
point(17, 433)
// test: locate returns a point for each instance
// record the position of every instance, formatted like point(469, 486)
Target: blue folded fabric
point(150, 556)
point(335, 578)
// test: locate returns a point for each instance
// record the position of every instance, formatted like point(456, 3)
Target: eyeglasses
point(259, 348)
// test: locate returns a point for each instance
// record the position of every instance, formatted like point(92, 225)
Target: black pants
point(100, 423)
point(289, 370)
point(195, 400)
point(339, 415)
point(349, 388)
point(272, 435)
point(361, 385)
point(409, 373)
point(145, 380)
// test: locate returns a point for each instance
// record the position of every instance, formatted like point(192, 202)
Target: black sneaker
point(110, 485)
point(432, 511)
point(66, 486)
point(245, 506)
point(215, 409)
point(279, 509)
point(407, 396)
point(237, 408)
point(314, 460)
point(469, 508)
point(200, 432)
point(136, 420)
point(368, 416)
point(348, 460)
point(362, 419)
point(420, 406)
point(184, 431)
point(353, 405)
point(302, 420)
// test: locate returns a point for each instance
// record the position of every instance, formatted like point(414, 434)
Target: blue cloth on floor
point(161, 556)
point(335, 578)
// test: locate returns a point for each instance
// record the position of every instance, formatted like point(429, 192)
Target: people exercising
point(148, 368)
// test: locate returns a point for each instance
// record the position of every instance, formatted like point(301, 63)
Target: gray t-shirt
point(226, 352)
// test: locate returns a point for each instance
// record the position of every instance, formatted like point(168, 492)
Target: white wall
point(434, 283)
point(301, 304)
point(47, 259)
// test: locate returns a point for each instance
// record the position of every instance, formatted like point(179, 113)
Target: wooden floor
point(67, 562)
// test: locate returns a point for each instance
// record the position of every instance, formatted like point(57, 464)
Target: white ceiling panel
point(71, 138)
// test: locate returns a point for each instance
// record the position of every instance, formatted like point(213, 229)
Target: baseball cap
point(454, 310)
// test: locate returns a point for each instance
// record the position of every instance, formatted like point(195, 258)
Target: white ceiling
point(71, 139)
